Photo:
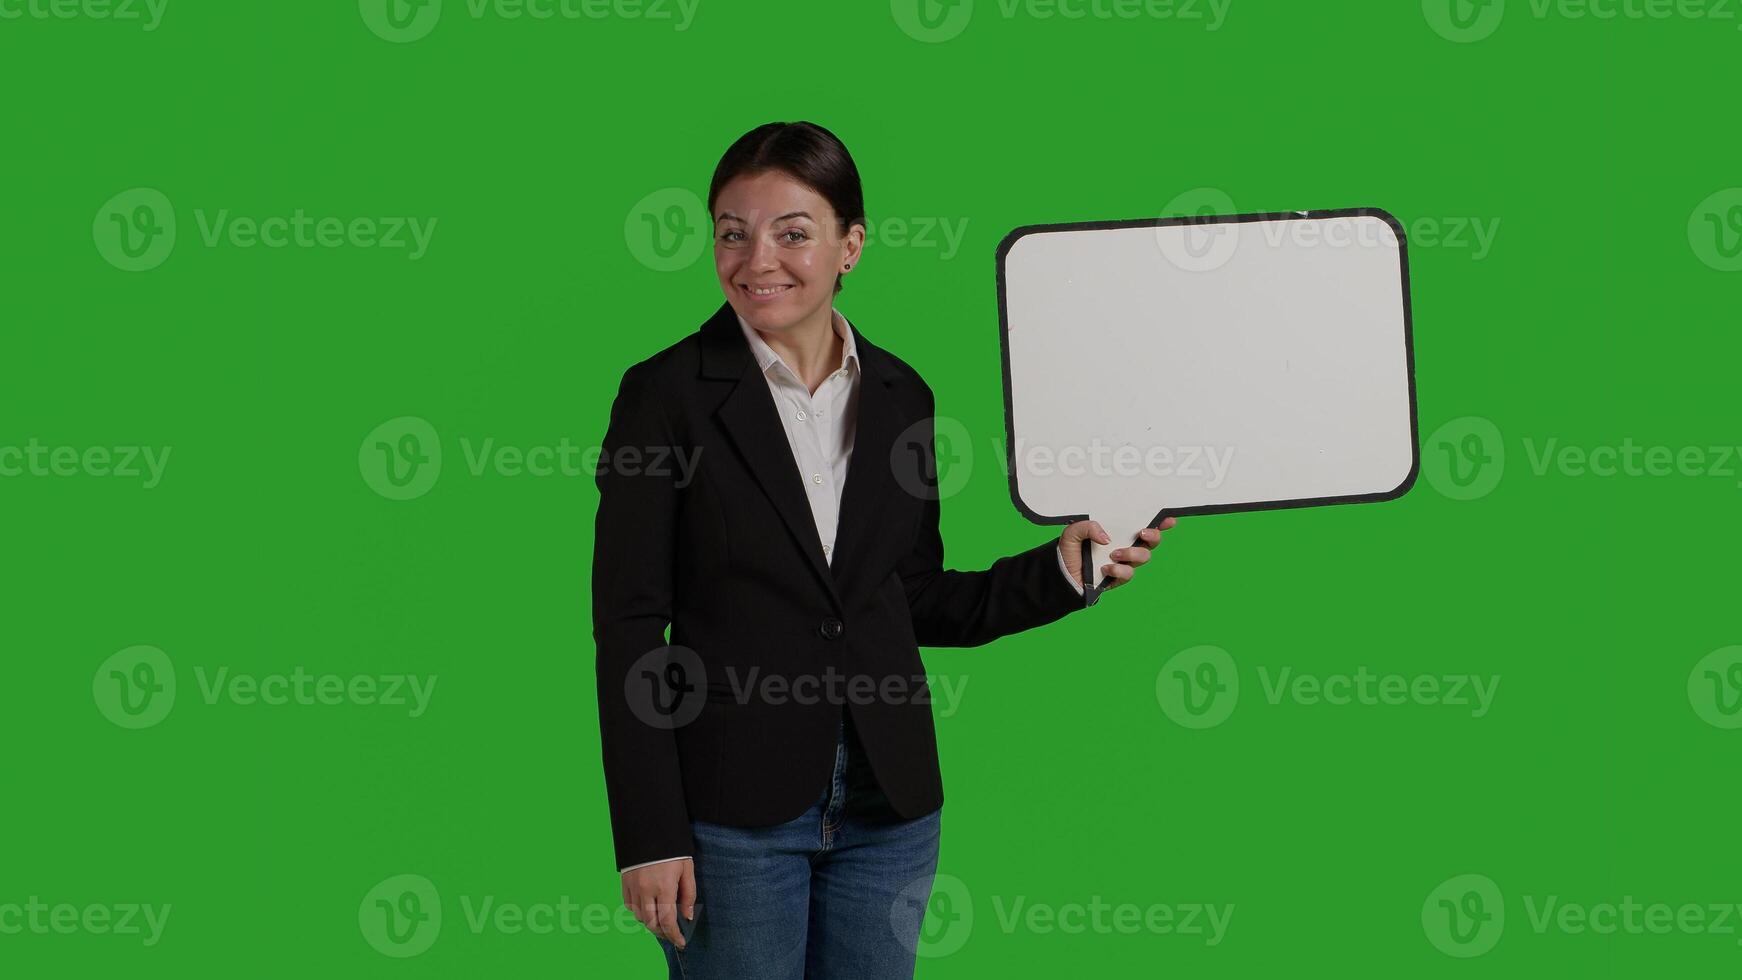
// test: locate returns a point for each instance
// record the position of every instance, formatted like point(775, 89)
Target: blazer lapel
point(869, 481)
point(750, 418)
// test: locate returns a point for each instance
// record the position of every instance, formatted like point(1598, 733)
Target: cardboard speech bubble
point(1205, 364)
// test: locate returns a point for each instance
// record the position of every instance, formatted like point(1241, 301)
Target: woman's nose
point(762, 254)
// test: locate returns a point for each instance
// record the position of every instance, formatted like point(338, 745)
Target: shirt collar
point(766, 357)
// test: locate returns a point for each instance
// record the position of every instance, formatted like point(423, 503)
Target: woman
point(767, 489)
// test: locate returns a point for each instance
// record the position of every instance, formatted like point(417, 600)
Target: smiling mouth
point(762, 292)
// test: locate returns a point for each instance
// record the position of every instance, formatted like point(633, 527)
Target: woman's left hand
point(1125, 560)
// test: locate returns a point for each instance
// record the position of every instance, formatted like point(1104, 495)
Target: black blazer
point(736, 722)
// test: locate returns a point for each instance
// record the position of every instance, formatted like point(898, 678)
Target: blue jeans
point(835, 894)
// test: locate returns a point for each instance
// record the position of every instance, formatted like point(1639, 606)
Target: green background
point(1586, 144)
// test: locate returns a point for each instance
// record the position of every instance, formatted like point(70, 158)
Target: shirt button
point(816, 478)
point(825, 549)
point(832, 628)
point(801, 415)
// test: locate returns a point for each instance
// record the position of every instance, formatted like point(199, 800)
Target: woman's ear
point(853, 246)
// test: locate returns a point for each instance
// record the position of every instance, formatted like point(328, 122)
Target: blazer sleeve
point(634, 541)
point(965, 609)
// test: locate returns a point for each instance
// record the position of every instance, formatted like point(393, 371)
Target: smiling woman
point(789, 224)
point(763, 830)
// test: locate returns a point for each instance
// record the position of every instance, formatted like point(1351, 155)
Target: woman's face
point(777, 249)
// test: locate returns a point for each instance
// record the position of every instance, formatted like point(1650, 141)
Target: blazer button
point(832, 628)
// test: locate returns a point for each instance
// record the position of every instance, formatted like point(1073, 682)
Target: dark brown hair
point(807, 153)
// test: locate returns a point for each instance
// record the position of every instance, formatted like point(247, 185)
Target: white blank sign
point(1205, 365)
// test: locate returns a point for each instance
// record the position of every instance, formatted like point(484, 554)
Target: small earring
point(849, 265)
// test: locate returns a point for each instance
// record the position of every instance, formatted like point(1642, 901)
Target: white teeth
point(768, 292)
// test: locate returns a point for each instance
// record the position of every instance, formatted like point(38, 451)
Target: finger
point(1120, 574)
point(646, 914)
point(1131, 556)
point(686, 892)
point(668, 917)
point(1100, 533)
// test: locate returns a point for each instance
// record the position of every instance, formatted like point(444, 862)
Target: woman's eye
point(794, 231)
point(727, 236)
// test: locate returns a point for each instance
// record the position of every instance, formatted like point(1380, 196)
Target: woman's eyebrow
point(729, 216)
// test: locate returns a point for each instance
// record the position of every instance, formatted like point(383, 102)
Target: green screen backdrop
point(272, 708)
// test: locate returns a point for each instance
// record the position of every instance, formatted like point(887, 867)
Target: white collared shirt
point(819, 427)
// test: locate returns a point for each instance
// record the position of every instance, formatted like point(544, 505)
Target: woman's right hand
point(658, 893)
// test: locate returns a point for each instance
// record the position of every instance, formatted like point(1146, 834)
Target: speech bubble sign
point(1205, 364)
